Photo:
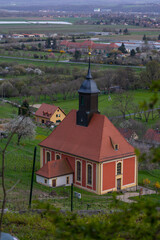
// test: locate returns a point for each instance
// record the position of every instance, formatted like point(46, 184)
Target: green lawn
point(105, 106)
point(7, 111)
point(153, 176)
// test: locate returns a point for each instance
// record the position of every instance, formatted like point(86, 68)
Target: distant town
point(79, 120)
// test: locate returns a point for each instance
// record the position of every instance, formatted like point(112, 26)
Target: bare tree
point(122, 102)
point(23, 129)
point(2, 153)
point(106, 81)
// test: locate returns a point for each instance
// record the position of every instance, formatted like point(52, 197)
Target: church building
point(87, 149)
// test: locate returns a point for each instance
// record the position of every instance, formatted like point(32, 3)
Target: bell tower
point(88, 100)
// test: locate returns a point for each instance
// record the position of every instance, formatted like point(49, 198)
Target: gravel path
point(125, 197)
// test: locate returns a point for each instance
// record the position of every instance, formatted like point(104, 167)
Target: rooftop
point(94, 142)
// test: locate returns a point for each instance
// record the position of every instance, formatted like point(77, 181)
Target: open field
point(136, 32)
point(38, 62)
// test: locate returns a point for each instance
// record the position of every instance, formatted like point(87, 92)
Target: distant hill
point(72, 2)
point(82, 5)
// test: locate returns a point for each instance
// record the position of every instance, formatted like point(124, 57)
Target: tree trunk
point(19, 138)
point(4, 191)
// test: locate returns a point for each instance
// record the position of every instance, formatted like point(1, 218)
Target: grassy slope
point(19, 166)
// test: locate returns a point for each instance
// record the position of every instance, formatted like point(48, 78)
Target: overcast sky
point(75, 2)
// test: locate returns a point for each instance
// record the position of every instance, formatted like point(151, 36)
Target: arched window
point(58, 156)
point(89, 173)
point(118, 168)
point(78, 171)
point(48, 157)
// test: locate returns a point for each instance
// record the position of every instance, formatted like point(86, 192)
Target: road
point(69, 62)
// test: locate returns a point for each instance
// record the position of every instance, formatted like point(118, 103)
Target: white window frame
point(78, 160)
point(91, 185)
point(121, 168)
point(46, 156)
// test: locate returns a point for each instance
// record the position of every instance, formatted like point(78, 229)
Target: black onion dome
point(89, 85)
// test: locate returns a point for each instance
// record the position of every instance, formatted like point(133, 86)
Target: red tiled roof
point(87, 44)
point(127, 133)
point(152, 135)
point(64, 42)
point(55, 168)
point(113, 45)
point(46, 110)
point(92, 142)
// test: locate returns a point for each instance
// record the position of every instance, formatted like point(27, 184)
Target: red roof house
point(88, 45)
point(152, 136)
point(128, 133)
point(48, 112)
point(97, 156)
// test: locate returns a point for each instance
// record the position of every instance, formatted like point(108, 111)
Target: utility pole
point(34, 159)
point(71, 197)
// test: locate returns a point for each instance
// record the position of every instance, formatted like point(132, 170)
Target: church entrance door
point(119, 184)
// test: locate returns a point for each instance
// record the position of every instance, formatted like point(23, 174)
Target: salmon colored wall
point(53, 155)
point(43, 156)
point(128, 170)
point(108, 172)
point(71, 161)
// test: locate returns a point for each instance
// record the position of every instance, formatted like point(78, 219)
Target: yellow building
point(48, 112)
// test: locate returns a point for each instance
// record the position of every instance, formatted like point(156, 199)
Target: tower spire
point(89, 76)
point(88, 99)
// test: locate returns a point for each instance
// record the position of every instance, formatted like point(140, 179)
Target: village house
point(152, 137)
point(96, 48)
point(128, 134)
point(49, 113)
point(86, 149)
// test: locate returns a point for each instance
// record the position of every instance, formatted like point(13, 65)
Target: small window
point(67, 180)
point(56, 115)
point(57, 110)
point(48, 157)
point(58, 156)
point(42, 121)
point(59, 115)
point(116, 147)
point(118, 168)
point(45, 181)
point(78, 171)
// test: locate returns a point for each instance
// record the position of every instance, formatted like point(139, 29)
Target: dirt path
point(125, 197)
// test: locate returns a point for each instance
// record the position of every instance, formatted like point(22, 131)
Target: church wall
point(43, 156)
point(108, 176)
point(52, 155)
point(71, 161)
point(129, 171)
